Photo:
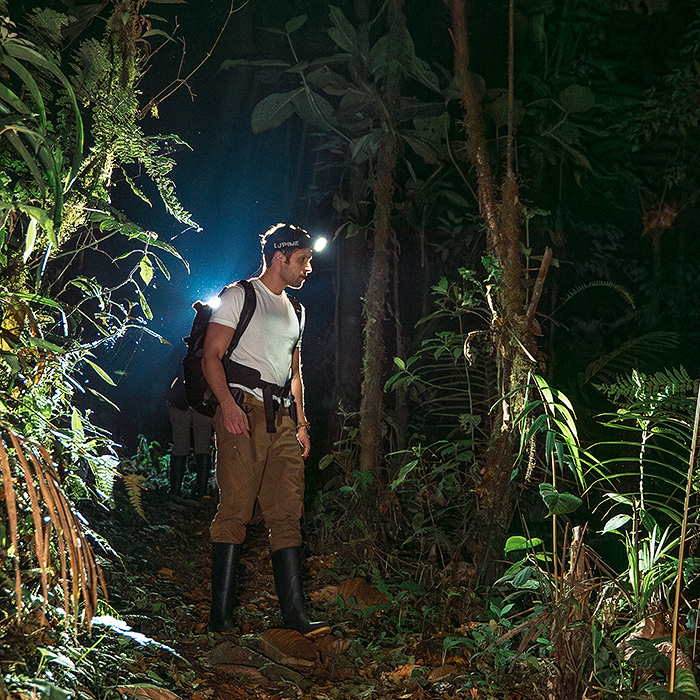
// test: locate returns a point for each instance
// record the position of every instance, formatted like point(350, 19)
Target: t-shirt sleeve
point(229, 310)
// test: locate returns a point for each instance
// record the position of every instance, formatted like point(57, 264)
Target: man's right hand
point(235, 418)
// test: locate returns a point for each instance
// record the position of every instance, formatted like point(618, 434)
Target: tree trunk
point(514, 342)
point(374, 359)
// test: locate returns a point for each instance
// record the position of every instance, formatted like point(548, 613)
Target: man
point(262, 434)
point(188, 426)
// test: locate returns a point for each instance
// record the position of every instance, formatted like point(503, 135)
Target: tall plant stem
point(681, 549)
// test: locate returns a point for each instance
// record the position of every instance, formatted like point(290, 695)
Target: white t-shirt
point(271, 336)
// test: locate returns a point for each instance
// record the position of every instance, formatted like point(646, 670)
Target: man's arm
point(298, 393)
point(216, 343)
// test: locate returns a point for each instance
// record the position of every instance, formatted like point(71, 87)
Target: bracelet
point(304, 424)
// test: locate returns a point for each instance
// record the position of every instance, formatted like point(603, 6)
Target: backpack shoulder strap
point(249, 304)
point(298, 310)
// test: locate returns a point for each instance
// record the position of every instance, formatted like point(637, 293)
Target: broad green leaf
point(295, 23)
point(343, 32)
point(313, 108)
point(329, 81)
point(558, 503)
point(42, 218)
point(146, 269)
point(156, 32)
point(615, 523)
point(518, 542)
point(325, 461)
point(272, 111)
point(577, 98)
point(399, 363)
point(686, 688)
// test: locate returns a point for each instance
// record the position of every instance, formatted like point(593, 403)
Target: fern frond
point(641, 389)
point(618, 288)
point(630, 355)
point(135, 485)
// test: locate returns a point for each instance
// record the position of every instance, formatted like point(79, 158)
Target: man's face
point(297, 267)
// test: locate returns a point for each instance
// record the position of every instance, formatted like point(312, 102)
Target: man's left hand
point(304, 441)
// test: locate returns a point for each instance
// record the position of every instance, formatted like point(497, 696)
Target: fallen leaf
point(166, 573)
point(327, 594)
point(289, 648)
point(402, 673)
point(249, 672)
point(146, 691)
point(331, 646)
point(437, 674)
point(363, 593)
point(229, 653)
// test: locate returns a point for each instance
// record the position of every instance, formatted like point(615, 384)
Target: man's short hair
point(283, 238)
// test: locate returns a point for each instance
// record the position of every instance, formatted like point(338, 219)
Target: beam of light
point(213, 302)
point(320, 243)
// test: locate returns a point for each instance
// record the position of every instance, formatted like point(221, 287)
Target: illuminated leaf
point(558, 503)
point(146, 269)
point(30, 240)
point(101, 372)
point(517, 543)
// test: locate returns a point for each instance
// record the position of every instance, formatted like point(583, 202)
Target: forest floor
point(150, 642)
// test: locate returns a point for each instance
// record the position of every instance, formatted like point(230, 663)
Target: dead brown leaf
point(240, 671)
point(166, 573)
point(363, 593)
point(402, 673)
point(326, 594)
point(331, 646)
point(146, 691)
point(289, 648)
point(437, 674)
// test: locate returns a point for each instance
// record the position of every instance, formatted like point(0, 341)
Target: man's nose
point(308, 267)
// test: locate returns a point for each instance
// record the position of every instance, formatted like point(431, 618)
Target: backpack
point(199, 395)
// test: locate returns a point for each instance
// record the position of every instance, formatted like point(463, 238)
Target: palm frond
point(55, 525)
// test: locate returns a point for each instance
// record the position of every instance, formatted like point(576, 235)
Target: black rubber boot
point(203, 466)
point(224, 560)
point(286, 565)
point(178, 465)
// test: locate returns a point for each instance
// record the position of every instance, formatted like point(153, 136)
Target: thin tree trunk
point(374, 360)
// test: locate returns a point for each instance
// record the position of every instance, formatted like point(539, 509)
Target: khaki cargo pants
point(268, 466)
